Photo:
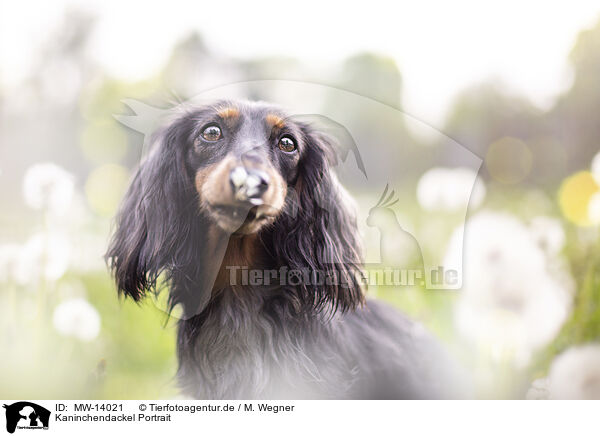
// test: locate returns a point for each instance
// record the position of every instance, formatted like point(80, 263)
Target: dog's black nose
point(248, 183)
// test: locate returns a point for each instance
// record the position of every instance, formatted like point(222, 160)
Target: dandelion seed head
point(450, 189)
point(575, 374)
point(548, 233)
point(44, 255)
point(77, 318)
point(509, 302)
point(49, 187)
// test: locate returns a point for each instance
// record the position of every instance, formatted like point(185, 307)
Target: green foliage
point(133, 357)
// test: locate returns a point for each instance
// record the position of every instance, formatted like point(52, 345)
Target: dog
point(235, 187)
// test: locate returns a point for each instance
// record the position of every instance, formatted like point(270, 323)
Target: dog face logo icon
point(26, 415)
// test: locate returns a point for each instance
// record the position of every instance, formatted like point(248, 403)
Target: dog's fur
point(270, 341)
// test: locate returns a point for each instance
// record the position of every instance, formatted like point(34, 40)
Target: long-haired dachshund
point(238, 191)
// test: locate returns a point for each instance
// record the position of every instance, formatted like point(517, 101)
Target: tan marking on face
point(275, 121)
point(274, 196)
point(212, 183)
point(228, 112)
point(213, 187)
point(229, 115)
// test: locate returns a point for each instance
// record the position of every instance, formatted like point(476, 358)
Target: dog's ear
point(153, 218)
point(322, 236)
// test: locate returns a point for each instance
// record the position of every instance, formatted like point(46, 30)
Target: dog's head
point(235, 169)
point(243, 158)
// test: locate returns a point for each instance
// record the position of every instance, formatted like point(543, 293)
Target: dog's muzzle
point(248, 184)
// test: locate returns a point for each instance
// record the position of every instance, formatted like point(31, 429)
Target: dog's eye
point(212, 133)
point(287, 144)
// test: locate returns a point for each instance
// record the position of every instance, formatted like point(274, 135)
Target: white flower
point(575, 374)
point(593, 211)
point(48, 186)
point(77, 318)
point(595, 167)
point(548, 234)
point(539, 390)
point(509, 302)
point(450, 189)
point(44, 255)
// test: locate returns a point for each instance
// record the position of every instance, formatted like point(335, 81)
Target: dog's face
point(243, 157)
point(222, 171)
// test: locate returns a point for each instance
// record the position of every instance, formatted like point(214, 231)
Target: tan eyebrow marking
point(228, 113)
point(275, 121)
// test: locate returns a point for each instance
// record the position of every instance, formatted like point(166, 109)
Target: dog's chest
point(253, 355)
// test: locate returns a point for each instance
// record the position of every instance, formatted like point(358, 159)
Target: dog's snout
point(252, 156)
point(248, 184)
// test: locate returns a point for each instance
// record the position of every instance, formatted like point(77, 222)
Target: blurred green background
point(65, 162)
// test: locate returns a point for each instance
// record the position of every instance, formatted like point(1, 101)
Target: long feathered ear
point(154, 219)
point(322, 236)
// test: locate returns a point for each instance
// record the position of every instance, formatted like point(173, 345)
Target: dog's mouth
point(243, 217)
point(246, 211)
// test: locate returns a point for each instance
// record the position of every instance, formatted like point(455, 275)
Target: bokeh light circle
point(508, 160)
point(104, 188)
point(574, 197)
